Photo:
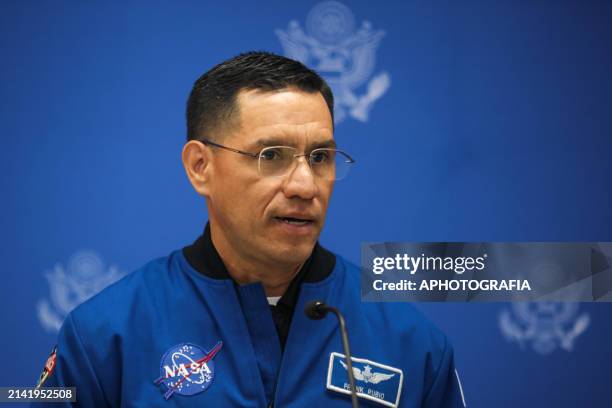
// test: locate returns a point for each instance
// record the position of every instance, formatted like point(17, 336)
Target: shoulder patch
point(48, 369)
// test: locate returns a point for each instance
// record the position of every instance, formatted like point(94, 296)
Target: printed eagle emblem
point(367, 375)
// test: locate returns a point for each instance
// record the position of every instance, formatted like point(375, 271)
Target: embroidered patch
point(373, 381)
point(187, 369)
point(48, 369)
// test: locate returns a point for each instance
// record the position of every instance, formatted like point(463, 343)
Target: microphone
point(317, 310)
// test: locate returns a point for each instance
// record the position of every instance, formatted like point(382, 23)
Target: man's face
point(251, 210)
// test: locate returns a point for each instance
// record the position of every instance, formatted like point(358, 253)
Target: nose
point(300, 181)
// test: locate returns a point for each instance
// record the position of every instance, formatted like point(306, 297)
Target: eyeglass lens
point(328, 164)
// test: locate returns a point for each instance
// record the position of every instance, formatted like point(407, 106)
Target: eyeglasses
point(277, 161)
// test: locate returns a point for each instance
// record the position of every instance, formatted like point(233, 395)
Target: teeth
point(294, 221)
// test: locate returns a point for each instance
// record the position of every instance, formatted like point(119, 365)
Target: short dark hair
point(212, 103)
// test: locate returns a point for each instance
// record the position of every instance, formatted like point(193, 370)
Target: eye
point(270, 154)
point(320, 156)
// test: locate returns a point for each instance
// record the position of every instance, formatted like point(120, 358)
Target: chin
point(292, 254)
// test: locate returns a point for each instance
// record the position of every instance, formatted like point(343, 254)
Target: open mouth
point(294, 221)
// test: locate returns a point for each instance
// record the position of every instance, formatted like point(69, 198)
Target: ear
point(196, 160)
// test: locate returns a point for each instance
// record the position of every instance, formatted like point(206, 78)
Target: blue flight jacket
point(169, 336)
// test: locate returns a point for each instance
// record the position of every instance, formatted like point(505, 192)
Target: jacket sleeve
point(446, 390)
point(73, 368)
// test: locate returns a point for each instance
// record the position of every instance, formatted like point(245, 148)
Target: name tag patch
point(373, 381)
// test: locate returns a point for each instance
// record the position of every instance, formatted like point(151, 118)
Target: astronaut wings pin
point(367, 375)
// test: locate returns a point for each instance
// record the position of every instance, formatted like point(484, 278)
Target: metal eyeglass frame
point(257, 155)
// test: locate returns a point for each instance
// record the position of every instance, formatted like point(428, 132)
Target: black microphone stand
point(317, 310)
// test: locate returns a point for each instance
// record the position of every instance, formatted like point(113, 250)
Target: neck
point(274, 277)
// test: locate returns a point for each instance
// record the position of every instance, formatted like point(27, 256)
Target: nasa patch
point(48, 369)
point(187, 369)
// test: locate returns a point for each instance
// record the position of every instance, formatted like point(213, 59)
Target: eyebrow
point(281, 141)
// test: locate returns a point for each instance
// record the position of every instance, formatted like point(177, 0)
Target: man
point(221, 322)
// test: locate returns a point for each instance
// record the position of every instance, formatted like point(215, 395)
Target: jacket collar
point(205, 259)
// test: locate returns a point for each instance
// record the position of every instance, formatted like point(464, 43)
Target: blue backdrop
point(488, 121)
